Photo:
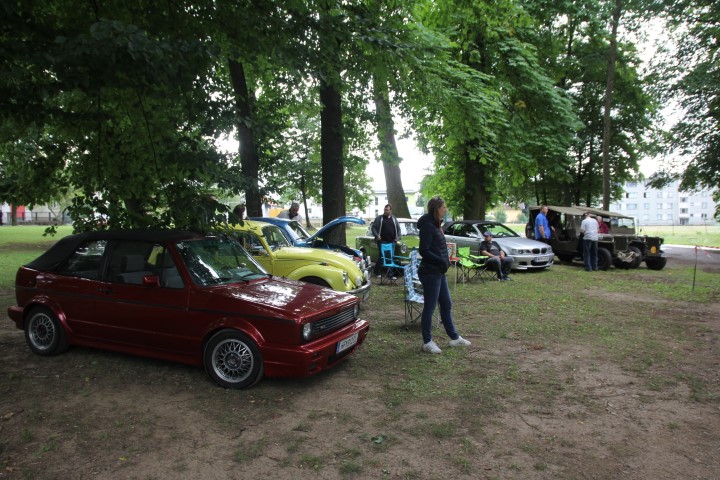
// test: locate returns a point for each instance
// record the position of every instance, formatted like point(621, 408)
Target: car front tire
point(656, 263)
point(44, 334)
point(638, 257)
point(233, 360)
point(604, 258)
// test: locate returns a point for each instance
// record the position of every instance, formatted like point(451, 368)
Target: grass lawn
point(570, 375)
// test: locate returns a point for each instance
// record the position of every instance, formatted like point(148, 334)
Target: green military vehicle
point(620, 246)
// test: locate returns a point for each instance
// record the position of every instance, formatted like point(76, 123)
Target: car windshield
point(498, 230)
point(409, 228)
point(628, 223)
point(218, 261)
point(274, 237)
point(298, 230)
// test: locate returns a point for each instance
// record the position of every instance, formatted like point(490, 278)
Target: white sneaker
point(430, 347)
point(460, 342)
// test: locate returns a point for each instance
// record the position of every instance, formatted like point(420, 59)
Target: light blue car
point(299, 237)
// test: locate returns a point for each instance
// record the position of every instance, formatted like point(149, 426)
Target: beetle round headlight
point(403, 248)
point(307, 331)
point(346, 278)
point(358, 280)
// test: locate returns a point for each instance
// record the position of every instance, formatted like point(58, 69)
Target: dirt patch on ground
point(568, 412)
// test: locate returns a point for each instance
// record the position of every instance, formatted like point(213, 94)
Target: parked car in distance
point(184, 297)
point(409, 239)
point(620, 246)
point(527, 254)
point(269, 247)
point(299, 237)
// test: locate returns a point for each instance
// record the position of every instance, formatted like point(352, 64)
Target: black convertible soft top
point(59, 252)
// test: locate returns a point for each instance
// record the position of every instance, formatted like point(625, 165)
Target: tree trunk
point(249, 161)
point(388, 151)
point(475, 197)
point(331, 153)
point(617, 12)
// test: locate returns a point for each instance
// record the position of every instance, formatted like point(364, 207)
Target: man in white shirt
point(589, 229)
point(293, 213)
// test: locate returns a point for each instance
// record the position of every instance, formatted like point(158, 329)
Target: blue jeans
point(590, 257)
point(436, 290)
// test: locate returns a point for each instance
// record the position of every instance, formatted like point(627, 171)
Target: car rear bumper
point(16, 315)
point(314, 357)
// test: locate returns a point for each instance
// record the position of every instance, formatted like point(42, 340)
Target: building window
point(632, 206)
point(646, 206)
point(659, 195)
point(646, 217)
point(659, 206)
point(683, 199)
point(668, 216)
point(703, 205)
point(684, 210)
point(669, 195)
point(659, 216)
point(631, 184)
point(376, 201)
point(668, 206)
point(703, 216)
point(631, 195)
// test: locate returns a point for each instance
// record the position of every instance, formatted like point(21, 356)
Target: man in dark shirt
point(385, 229)
point(497, 260)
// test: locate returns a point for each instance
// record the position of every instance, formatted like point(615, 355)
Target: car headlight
point(356, 311)
point(358, 280)
point(346, 279)
point(403, 248)
point(307, 331)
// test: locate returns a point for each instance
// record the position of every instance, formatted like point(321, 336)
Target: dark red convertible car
point(183, 297)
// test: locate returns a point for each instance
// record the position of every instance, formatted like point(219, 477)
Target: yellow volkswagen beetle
point(269, 247)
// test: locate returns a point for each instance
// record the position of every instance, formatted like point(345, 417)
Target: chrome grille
point(327, 325)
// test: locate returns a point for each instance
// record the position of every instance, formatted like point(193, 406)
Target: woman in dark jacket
point(434, 264)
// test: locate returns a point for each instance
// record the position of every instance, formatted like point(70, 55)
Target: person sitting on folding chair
point(497, 260)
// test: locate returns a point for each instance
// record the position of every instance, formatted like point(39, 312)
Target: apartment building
point(666, 206)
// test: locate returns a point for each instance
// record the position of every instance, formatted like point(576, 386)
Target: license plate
point(347, 343)
point(540, 259)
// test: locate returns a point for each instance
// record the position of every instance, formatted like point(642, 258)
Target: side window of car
point(86, 261)
point(462, 230)
point(164, 267)
point(129, 262)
